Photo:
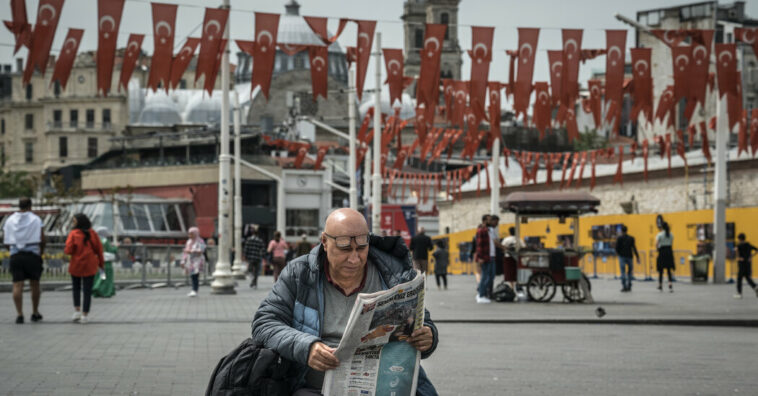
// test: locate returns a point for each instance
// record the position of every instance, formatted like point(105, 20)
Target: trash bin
point(699, 267)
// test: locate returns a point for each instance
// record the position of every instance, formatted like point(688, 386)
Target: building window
point(90, 118)
point(302, 221)
point(29, 152)
point(91, 147)
point(56, 88)
point(182, 84)
point(73, 116)
point(57, 118)
point(29, 122)
point(63, 147)
point(106, 118)
point(445, 20)
point(419, 38)
point(29, 92)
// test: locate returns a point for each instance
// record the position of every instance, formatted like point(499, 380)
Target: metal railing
point(142, 265)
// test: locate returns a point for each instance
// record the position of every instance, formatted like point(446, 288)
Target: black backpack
point(503, 293)
point(250, 369)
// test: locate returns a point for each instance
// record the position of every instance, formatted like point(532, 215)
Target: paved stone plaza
point(161, 342)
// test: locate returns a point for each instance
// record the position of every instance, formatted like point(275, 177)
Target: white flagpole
point(376, 209)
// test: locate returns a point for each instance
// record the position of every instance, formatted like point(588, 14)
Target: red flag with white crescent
point(322, 150)
point(19, 26)
point(302, 150)
point(572, 45)
point(48, 14)
point(210, 81)
point(214, 25)
point(726, 67)
point(266, 29)
point(645, 153)
point(67, 56)
point(363, 52)
point(574, 164)
point(698, 73)
point(510, 86)
point(542, 108)
point(460, 104)
point(164, 20)
point(643, 84)
point(754, 131)
point(129, 62)
point(182, 60)
point(742, 134)
point(393, 61)
point(734, 104)
point(494, 109)
point(428, 82)
point(666, 106)
point(615, 59)
point(555, 58)
point(318, 57)
point(108, 21)
point(572, 128)
point(682, 62)
point(672, 38)
point(481, 56)
point(246, 46)
point(596, 101)
point(748, 36)
point(318, 25)
point(527, 50)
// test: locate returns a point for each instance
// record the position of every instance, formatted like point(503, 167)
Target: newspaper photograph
point(375, 357)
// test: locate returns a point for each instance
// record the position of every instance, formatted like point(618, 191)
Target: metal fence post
point(169, 261)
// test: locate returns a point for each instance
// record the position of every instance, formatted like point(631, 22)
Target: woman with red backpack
point(86, 251)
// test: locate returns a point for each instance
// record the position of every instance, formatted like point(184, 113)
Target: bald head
point(346, 221)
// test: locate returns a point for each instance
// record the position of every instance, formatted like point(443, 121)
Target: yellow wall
point(641, 227)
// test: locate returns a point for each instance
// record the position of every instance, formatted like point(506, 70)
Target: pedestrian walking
point(745, 253)
point(625, 248)
point(664, 242)
point(86, 252)
point(254, 250)
point(104, 285)
point(421, 244)
point(278, 250)
point(441, 260)
point(475, 249)
point(485, 258)
point(193, 259)
point(25, 238)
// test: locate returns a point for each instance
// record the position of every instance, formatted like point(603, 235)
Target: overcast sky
point(505, 15)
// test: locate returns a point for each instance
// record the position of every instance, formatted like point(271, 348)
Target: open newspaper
point(375, 358)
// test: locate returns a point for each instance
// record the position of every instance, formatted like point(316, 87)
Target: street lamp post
point(237, 268)
point(376, 202)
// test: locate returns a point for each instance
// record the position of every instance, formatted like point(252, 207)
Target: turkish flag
point(726, 67)
point(393, 61)
point(129, 62)
point(672, 38)
point(447, 92)
point(527, 50)
point(428, 82)
point(19, 26)
point(245, 46)
point(643, 84)
point(481, 56)
point(574, 163)
point(734, 104)
point(210, 82)
point(754, 131)
point(318, 25)
point(698, 72)
point(108, 21)
point(319, 65)
point(615, 42)
point(182, 60)
point(67, 56)
point(363, 52)
point(746, 35)
point(164, 19)
point(214, 25)
point(543, 108)
point(666, 106)
point(580, 176)
point(48, 13)
point(572, 129)
point(302, 150)
point(291, 49)
point(266, 29)
point(420, 123)
point(494, 109)
point(555, 58)
point(401, 156)
point(572, 45)
point(322, 150)
point(460, 95)
point(596, 101)
point(704, 142)
point(682, 58)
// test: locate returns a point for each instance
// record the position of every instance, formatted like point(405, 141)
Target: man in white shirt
point(25, 238)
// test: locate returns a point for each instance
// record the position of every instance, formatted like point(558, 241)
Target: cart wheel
point(573, 292)
point(541, 287)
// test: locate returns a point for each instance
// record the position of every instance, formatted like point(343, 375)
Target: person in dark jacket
point(421, 245)
point(305, 314)
point(745, 253)
point(664, 242)
point(441, 259)
point(625, 248)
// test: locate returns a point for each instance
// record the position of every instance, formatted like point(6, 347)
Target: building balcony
point(74, 126)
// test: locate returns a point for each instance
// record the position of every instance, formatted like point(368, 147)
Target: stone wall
point(660, 194)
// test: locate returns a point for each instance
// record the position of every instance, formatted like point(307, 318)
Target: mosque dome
point(159, 109)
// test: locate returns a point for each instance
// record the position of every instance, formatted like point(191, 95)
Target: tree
point(17, 184)
point(589, 140)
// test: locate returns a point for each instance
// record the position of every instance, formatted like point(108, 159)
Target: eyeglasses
point(343, 242)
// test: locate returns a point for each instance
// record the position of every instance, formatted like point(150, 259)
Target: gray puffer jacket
point(289, 319)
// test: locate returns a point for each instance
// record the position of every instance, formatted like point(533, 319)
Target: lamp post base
point(239, 270)
point(223, 281)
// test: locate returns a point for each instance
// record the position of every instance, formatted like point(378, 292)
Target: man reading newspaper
point(306, 313)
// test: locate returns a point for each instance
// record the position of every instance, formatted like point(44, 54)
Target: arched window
point(445, 20)
point(419, 38)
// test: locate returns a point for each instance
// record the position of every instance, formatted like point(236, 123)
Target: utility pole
point(237, 268)
point(353, 194)
point(376, 205)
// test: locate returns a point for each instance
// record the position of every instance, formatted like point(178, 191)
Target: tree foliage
point(17, 184)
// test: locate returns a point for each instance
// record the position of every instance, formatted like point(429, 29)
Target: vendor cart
point(542, 271)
